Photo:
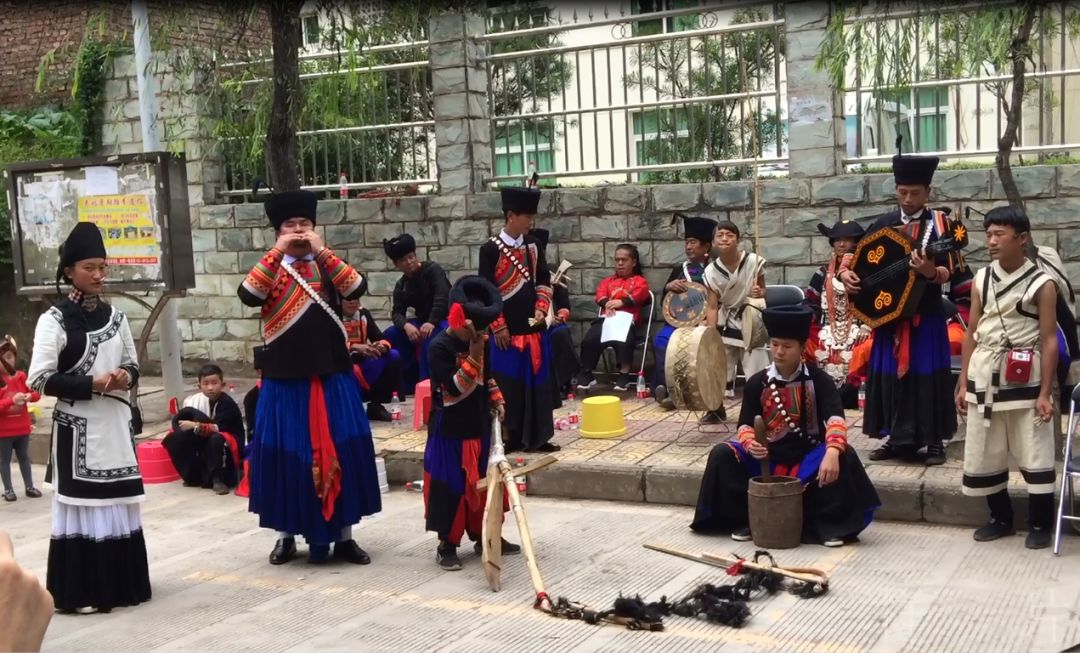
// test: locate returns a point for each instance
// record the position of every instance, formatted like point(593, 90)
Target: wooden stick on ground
point(805, 574)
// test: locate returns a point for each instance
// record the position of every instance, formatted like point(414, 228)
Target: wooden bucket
point(776, 511)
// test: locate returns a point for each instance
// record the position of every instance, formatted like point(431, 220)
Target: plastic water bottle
point(395, 408)
point(573, 418)
point(343, 179)
point(521, 480)
point(415, 486)
point(862, 397)
point(642, 389)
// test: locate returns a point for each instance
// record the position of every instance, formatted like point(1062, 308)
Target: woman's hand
point(757, 450)
point(829, 470)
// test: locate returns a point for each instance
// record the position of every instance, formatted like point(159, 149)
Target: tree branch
point(1018, 53)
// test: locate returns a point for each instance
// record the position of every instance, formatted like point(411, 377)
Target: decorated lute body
point(889, 288)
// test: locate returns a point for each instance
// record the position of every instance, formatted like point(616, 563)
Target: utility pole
point(168, 333)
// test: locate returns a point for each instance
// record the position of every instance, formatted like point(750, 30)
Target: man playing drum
point(736, 283)
point(807, 438)
point(699, 235)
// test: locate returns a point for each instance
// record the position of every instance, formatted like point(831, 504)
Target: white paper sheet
point(101, 180)
point(616, 327)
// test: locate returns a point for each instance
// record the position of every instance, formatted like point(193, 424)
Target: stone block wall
point(181, 124)
point(586, 225)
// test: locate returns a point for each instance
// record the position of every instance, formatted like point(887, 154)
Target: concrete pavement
point(904, 587)
point(659, 460)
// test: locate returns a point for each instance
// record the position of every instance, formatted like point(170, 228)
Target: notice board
point(138, 202)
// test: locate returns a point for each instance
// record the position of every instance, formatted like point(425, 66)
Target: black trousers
point(201, 460)
point(592, 348)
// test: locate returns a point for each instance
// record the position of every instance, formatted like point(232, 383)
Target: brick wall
point(31, 28)
point(585, 225)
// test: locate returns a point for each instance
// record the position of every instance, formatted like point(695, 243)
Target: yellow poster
point(127, 226)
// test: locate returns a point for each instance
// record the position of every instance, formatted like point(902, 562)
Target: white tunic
point(93, 449)
point(1009, 319)
point(732, 285)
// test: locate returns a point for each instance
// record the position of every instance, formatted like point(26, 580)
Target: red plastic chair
point(421, 404)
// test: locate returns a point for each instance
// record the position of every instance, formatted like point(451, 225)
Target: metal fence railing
point(366, 122)
point(942, 107)
point(664, 91)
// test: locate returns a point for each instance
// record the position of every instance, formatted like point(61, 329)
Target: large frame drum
point(696, 368)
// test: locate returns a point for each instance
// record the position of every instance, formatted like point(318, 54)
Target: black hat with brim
point(842, 229)
point(914, 170)
point(84, 241)
point(520, 199)
point(291, 204)
point(790, 322)
point(698, 228)
point(399, 246)
point(479, 299)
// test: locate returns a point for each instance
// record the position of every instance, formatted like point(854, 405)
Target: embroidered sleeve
point(543, 298)
point(563, 314)
point(345, 278)
point(258, 282)
point(44, 375)
point(745, 434)
point(836, 433)
point(495, 395)
point(543, 282)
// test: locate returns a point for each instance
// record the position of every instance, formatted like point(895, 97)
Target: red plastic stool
point(421, 404)
point(155, 464)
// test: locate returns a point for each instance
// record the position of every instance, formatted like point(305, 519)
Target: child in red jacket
point(15, 398)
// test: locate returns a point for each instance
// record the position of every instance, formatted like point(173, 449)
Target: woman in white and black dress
point(84, 356)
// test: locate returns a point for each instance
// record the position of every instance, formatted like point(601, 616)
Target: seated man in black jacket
point(208, 435)
point(424, 287)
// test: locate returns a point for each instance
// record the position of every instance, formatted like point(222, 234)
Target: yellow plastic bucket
point(602, 417)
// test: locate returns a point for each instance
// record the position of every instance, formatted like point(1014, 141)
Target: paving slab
point(904, 587)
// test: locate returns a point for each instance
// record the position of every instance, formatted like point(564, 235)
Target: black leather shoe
point(508, 548)
point(284, 551)
point(888, 451)
point(350, 551)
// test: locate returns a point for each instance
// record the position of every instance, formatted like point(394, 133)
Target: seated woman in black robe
point(207, 438)
point(807, 438)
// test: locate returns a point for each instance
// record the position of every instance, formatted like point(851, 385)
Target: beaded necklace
point(799, 430)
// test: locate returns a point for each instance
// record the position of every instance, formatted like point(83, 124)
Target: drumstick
point(763, 439)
